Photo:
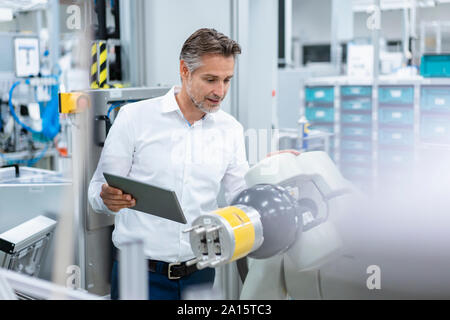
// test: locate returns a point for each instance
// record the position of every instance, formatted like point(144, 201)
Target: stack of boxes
point(356, 146)
point(320, 111)
point(381, 131)
point(395, 133)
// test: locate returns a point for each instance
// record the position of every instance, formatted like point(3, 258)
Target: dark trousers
point(160, 287)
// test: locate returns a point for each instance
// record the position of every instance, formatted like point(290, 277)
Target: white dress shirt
point(151, 141)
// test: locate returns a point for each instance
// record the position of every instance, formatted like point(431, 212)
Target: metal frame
point(133, 277)
point(34, 288)
point(94, 230)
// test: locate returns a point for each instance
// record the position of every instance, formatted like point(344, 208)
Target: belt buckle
point(170, 267)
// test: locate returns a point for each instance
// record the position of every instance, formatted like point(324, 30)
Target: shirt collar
point(170, 104)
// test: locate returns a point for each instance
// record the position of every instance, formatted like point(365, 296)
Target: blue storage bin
point(320, 94)
point(357, 104)
point(360, 132)
point(324, 128)
point(361, 158)
point(356, 145)
point(396, 137)
point(435, 129)
point(356, 118)
point(395, 157)
point(399, 116)
point(435, 99)
point(352, 91)
point(396, 95)
point(319, 114)
point(435, 65)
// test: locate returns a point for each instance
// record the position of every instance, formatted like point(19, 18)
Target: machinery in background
point(23, 248)
point(31, 201)
point(91, 113)
point(106, 51)
point(29, 119)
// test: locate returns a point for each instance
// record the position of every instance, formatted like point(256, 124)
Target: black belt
point(175, 270)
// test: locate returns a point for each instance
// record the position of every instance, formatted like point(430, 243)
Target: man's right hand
point(115, 199)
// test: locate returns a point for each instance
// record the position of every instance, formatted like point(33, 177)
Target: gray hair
point(207, 41)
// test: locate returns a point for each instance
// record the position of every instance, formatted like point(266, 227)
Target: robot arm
point(288, 198)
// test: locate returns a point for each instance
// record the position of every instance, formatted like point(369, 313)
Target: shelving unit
point(382, 129)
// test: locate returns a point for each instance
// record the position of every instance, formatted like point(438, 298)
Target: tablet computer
point(149, 199)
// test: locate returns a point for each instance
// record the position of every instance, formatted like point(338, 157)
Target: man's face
point(208, 85)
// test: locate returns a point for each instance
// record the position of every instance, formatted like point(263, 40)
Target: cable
point(32, 161)
point(29, 162)
point(13, 113)
point(114, 106)
point(50, 118)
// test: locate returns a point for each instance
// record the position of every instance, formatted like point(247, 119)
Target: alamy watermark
point(74, 17)
point(215, 147)
point(374, 20)
point(374, 280)
point(73, 280)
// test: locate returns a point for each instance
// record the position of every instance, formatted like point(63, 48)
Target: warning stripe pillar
point(94, 66)
point(103, 70)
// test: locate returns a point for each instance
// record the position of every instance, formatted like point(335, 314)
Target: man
point(181, 141)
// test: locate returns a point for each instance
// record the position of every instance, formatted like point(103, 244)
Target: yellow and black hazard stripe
point(103, 69)
point(94, 66)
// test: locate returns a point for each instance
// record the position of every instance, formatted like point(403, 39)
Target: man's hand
point(294, 152)
point(115, 199)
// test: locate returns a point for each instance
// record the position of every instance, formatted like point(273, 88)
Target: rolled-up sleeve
point(233, 181)
point(116, 158)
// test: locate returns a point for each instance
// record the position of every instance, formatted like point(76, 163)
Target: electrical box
point(23, 248)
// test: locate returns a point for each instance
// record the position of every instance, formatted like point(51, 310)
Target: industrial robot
point(283, 223)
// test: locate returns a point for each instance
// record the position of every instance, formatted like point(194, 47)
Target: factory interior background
point(367, 82)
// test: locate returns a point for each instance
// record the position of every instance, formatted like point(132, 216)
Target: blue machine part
point(435, 65)
point(356, 91)
point(357, 104)
point(320, 94)
point(49, 114)
point(320, 114)
point(396, 95)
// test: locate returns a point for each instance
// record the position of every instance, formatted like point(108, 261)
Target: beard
point(201, 105)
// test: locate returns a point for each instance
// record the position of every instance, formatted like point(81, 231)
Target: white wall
point(169, 24)
point(311, 21)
